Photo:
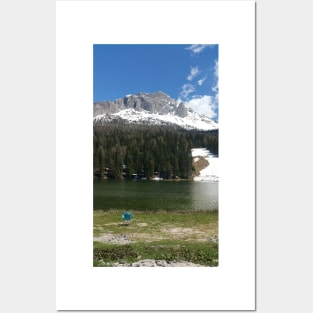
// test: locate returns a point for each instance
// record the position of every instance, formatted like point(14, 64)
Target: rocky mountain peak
point(156, 102)
point(181, 110)
point(155, 108)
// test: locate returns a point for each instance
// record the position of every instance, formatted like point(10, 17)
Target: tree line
point(124, 151)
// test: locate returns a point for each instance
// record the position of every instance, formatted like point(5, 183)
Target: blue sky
point(187, 73)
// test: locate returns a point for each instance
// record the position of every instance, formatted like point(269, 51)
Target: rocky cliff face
point(156, 108)
point(157, 102)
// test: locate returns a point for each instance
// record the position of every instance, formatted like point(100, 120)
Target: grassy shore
point(161, 235)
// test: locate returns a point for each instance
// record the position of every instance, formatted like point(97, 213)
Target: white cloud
point(186, 90)
point(206, 105)
point(201, 81)
point(216, 68)
point(194, 71)
point(215, 87)
point(196, 48)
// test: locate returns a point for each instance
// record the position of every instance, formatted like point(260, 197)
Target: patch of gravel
point(119, 239)
point(200, 163)
point(142, 224)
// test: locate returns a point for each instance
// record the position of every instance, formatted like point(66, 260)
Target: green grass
point(199, 253)
point(157, 235)
point(154, 222)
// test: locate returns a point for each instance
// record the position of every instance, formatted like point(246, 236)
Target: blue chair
point(127, 216)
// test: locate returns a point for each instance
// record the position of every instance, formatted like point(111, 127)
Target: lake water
point(155, 195)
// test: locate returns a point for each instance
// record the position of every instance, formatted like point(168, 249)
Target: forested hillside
point(123, 151)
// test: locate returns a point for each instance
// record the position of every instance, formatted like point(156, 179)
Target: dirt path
point(173, 233)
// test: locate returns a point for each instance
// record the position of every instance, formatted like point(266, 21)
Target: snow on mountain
point(152, 109)
point(210, 173)
point(131, 116)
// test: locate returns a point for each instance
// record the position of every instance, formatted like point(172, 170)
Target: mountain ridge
point(155, 108)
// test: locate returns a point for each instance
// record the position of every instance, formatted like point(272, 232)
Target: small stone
point(101, 263)
point(161, 263)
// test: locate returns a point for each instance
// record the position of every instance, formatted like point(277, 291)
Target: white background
point(232, 284)
point(284, 154)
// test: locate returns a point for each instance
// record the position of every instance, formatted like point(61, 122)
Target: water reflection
point(204, 195)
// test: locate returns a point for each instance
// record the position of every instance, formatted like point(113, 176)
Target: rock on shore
point(153, 263)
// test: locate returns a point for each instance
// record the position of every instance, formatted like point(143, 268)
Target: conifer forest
point(145, 151)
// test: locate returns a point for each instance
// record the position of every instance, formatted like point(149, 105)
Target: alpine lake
point(171, 220)
point(147, 195)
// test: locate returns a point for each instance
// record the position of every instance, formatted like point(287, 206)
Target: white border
point(80, 24)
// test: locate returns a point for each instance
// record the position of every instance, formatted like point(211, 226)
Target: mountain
point(155, 108)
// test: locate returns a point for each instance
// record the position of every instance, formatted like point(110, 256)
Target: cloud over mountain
point(205, 105)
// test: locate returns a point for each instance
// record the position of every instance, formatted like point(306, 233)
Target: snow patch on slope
point(210, 173)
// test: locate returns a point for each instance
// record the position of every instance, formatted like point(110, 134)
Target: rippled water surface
point(155, 195)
